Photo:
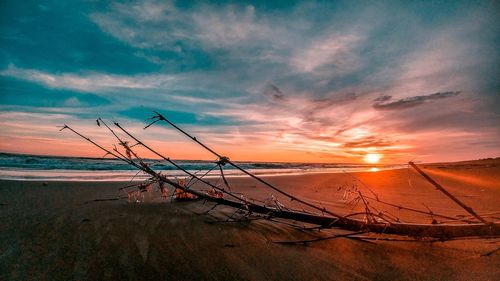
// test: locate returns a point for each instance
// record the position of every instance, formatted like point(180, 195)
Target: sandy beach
point(47, 232)
point(336, 140)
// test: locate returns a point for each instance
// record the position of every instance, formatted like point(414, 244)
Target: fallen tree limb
point(440, 188)
point(442, 232)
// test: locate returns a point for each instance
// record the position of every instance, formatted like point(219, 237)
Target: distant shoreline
point(126, 176)
point(22, 167)
point(29, 167)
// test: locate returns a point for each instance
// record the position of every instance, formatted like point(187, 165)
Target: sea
point(56, 168)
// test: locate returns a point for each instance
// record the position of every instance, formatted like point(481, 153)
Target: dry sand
point(47, 233)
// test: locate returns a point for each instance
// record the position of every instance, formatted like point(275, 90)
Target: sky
point(307, 81)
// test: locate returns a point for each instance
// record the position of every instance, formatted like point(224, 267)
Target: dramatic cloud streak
point(90, 82)
point(386, 103)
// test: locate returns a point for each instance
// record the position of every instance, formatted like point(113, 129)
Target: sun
point(372, 158)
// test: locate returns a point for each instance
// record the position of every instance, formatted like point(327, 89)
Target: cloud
point(74, 102)
point(384, 103)
point(91, 81)
point(332, 82)
point(335, 53)
point(274, 92)
point(163, 26)
point(241, 37)
point(228, 27)
point(147, 24)
point(369, 141)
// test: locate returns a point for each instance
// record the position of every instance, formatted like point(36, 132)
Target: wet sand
point(48, 233)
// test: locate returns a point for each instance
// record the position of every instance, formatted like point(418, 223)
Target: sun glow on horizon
point(372, 158)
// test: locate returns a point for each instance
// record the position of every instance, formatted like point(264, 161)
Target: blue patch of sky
point(59, 36)
point(179, 117)
point(20, 93)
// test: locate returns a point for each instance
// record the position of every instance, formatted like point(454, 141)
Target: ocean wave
point(34, 167)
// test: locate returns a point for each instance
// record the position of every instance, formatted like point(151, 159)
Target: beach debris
point(372, 219)
point(490, 252)
point(440, 188)
point(306, 242)
point(181, 193)
point(226, 160)
point(215, 193)
point(273, 201)
point(105, 199)
point(134, 196)
point(164, 193)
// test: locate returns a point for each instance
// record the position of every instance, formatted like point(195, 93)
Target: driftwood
point(440, 188)
point(223, 160)
point(324, 219)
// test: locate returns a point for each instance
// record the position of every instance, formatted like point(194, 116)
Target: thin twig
point(490, 253)
point(305, 242)
point(105, 199)
point(206, 212)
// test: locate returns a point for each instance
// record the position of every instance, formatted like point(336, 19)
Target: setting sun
point(372, 158)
